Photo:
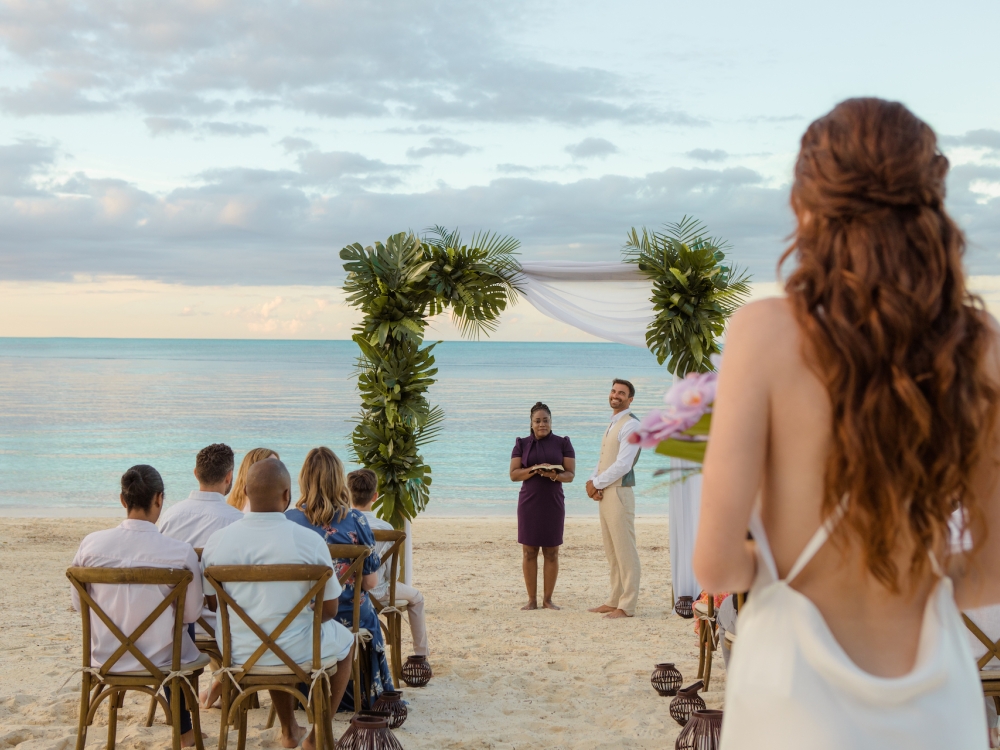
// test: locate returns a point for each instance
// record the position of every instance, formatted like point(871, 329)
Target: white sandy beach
point(502, 678)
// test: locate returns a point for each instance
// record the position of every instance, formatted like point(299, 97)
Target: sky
point(192, 168)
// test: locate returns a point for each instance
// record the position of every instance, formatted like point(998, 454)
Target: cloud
point(170, 125)
point(982, 138)
point(331, 167)
point(591, 148)
point(704, 154)
point(198, 59)
point(292, 144)
point(515, 169)
point(440, 147)
point(20, 163)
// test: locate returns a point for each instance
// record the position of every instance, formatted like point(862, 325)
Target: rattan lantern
point(685, 607)
point(369, 731)
point(666, 679)
point(702, 732)
point(686, 703)
point(416, 671)
point(391, 702)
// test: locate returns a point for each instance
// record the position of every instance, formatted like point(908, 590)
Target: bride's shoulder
point(763, 318)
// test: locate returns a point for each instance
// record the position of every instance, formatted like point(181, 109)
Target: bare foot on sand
point(532, 604)
point(604, 608)
point(549, 605)
point(615, 614)
point(210, 696)
point(295, 738)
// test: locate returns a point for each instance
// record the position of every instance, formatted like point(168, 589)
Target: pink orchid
point(687, 401)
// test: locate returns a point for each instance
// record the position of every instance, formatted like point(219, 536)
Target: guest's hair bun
point(140, 484)
point(539, 406)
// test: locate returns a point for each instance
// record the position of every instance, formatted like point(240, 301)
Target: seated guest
point(204, 512)
point(265, 537)
point(136, 543)
point(325, 507)
point(364, 491)
point(238, 497)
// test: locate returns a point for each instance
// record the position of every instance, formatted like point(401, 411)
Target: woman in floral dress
point(325, 507)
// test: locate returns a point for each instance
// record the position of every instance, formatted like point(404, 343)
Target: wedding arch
point(671, 292)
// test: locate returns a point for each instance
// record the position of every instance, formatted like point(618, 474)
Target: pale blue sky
point(239, 144)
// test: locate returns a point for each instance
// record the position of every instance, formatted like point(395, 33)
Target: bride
point(852, 418)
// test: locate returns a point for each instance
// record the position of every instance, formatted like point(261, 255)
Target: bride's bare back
point(877, 305)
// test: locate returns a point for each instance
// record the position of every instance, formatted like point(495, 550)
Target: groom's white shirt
point(626, 453)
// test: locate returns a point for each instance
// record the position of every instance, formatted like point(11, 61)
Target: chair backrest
point(357, 554)
point(397, 538)
point(992, 647)
point(218, 575)
point(178, 578)
point(202, 622)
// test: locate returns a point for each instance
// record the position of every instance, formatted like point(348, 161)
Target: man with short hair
point(264, 536)
point(204, 512)
point(611, 485)
point(363, 484)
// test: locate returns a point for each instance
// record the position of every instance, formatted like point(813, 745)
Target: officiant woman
point(541, 508)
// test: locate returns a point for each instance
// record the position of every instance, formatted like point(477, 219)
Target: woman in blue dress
point(325, 507)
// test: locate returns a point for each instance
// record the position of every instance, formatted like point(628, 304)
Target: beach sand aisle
point(503, 678)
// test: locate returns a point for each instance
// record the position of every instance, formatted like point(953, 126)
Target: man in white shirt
point(204, 512)
point(264, 536)
point(136, 543)
point(364, 491)
point(611, 484)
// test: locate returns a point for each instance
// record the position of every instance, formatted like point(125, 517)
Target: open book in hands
point(547, 467)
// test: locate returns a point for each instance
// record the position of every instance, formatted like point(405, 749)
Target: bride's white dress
point(790, 685)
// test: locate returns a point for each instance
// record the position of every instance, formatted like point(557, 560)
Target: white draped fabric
point(685, 508)
point(608, 300)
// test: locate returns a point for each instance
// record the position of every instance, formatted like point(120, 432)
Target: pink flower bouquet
point(681, 428)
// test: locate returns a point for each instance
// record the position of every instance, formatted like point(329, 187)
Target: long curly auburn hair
point(891, 330)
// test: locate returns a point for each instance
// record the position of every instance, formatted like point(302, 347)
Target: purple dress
point(541, 507)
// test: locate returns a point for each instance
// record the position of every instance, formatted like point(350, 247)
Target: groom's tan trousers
point(618, 532)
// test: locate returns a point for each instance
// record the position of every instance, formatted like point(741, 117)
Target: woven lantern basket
point(686, 703)
point(666, 679)
point(685, 607)
point(702, 732)
point(369, 731)
point(416, 671)
point(391, 702)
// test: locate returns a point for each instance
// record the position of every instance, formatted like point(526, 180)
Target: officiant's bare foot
point(603, 609)
point(532, 604)
point(616, 614)
point(549, 605)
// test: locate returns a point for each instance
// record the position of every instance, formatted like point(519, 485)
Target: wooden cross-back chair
point(249, 678)
point(393, 608)
point(707, 637)
point(104, 683)
point(357, 553)
point(990, 678)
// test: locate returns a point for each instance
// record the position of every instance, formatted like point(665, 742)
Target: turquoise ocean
point(75, 413)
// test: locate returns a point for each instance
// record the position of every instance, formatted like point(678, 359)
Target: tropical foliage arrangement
point(398, 286)
point(694, 293)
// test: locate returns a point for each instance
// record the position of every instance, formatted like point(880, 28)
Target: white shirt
point(138, 544)
point(271, 539)
point(626, 453)
point(381, 591)
point(194, 520)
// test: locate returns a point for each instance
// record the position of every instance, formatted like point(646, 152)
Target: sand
point(503, 678)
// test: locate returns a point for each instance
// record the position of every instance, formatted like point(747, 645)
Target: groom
point(611, 485)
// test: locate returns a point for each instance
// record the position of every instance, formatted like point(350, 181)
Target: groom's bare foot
point(295, 737)
point(616, 614)
point(603, 609)
point(549, 605)
point(532, 604)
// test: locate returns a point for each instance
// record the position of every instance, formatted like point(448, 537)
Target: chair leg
point(116, 699)
point(397, 648)
point(195, 709)
point(356, 677)
point(271, 716)
point(241, 743)
point(151, 713)
point(701, 651)
point(81, 729)
point(175, 711)
point(255, 701)
point(709, 653)
point(224, 720)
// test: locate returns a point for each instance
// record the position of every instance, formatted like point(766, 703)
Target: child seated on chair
point(137, 543)
point(325, 507)
point(204, 512)
point(265, 537)
point(364, 493)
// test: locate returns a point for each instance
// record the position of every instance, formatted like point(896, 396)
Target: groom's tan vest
point(609, 453)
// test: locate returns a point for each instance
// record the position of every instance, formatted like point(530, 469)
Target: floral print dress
point(354, 529)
